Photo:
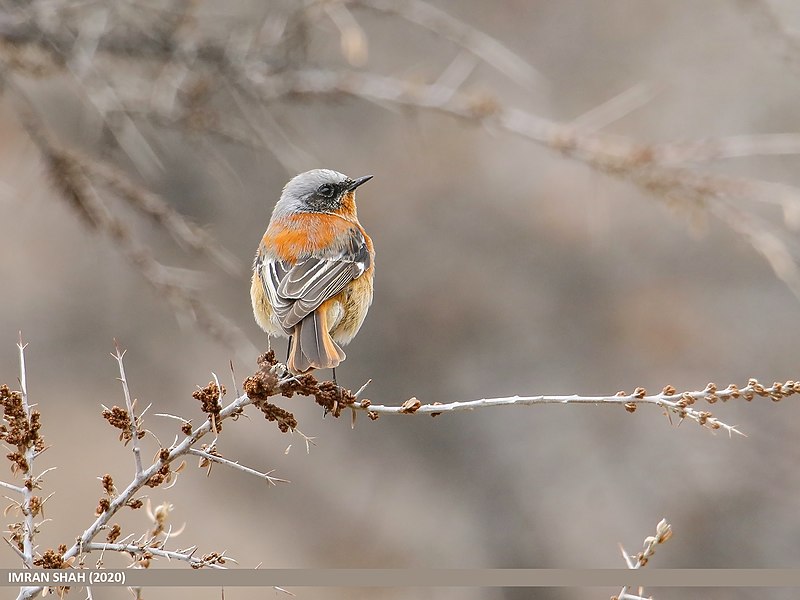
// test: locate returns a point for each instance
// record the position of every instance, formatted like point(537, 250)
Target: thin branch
point(12, 487)
point(663, 533)
point(615, 108)
point(214, 562)
point(23, 377)
point(16, 550)
point(770, 25)
point(728, 147)
point(235, 465)
point(353, 40)
point(134, 429)
point(488, 49)
point(30, 455)
point(680, 404)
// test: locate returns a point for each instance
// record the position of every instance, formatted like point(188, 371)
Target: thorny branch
point(133, 432)
point(213, 560)
point(679, 404)
point(20, 430)
point(208, 457)
point(159, 472)
point(30, 454)
point(271, 379)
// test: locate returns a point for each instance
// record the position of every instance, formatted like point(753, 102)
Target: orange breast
point(302, 234)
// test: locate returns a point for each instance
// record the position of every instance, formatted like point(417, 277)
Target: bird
point(313, 271)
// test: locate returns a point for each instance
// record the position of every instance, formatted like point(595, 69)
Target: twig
point(475, 41)
point(615, 108)
point(773, 31)
point(353, 40)
point(186, 555)
point(309, 440)
point(134, 430)
point(30, 455)
point(12, 487)
point(235, 465)
point(663, 533)
point(679, 404)
point(727, 147)
point(13, 546)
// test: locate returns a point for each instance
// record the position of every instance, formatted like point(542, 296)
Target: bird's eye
point(326, 190)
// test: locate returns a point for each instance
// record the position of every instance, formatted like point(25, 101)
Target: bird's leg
point(288, 353)
point(336, 402)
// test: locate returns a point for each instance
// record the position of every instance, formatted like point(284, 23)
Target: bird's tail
point(312, 346)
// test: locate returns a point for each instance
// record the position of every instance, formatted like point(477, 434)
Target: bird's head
point(319, 191)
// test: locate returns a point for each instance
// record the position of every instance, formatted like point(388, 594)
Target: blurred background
point(503, 267)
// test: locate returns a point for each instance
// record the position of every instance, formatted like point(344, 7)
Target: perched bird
point(312, 274)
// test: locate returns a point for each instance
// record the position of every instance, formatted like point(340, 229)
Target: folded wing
point(295, 291)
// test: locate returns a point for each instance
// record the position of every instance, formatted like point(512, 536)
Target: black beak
point(358, 182)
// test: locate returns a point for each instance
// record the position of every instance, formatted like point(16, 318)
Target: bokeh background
point(503, 268)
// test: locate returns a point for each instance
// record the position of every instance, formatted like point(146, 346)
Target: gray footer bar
point(406, 577)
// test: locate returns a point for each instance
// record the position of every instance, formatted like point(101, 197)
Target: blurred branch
point(88, 183)
point(654, 168)
point(735, 146)
point(177, 73)
point(615, 108)
point(663, 533)
point(353, 38)
point(440, 23)
point(72, 175)
point(182, 230)
point(769, 23)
